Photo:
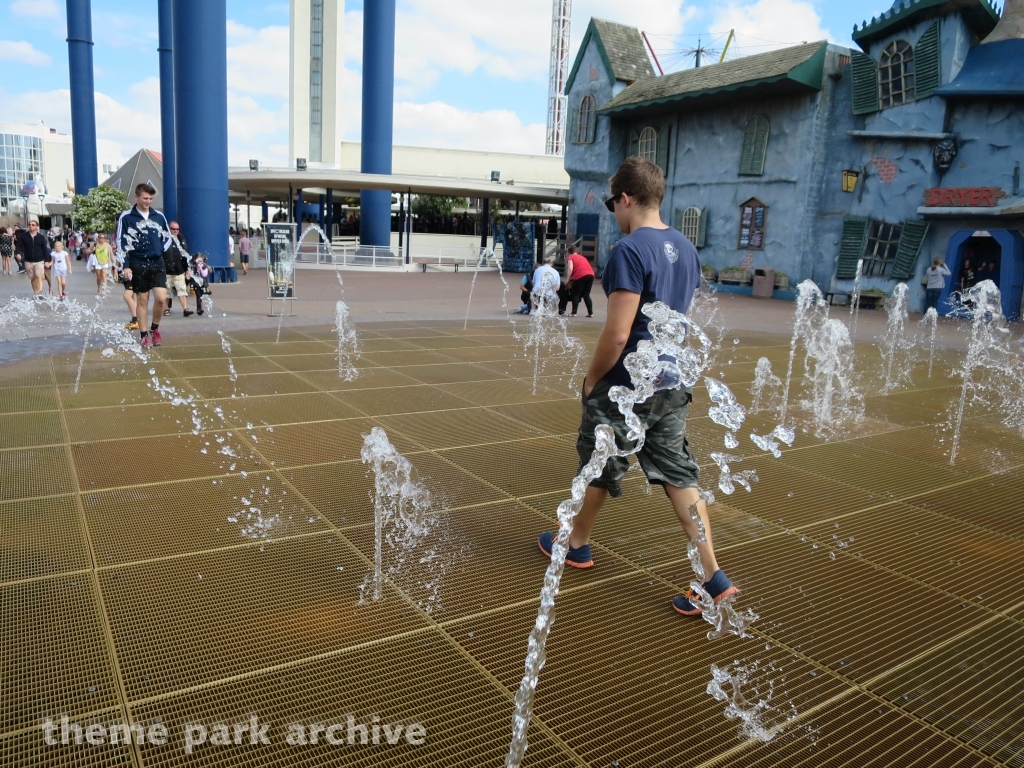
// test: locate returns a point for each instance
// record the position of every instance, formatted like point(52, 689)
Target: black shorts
point(244, 258)
point(148, 274)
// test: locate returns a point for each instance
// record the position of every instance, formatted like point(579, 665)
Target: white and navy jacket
point(142, 238)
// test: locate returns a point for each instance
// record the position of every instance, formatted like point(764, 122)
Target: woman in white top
point(61, 268)
point(936, 274)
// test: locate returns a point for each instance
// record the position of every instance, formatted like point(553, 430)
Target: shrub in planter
point(710, 273)
point(781, 280)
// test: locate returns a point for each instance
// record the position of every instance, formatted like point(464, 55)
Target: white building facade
point(315, 80)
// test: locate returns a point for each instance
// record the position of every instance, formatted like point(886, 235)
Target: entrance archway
point(992, 254)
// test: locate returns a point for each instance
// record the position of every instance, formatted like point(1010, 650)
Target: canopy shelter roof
point(789, 70)
point(274, 185)
point(980, 15)
point(992, 69)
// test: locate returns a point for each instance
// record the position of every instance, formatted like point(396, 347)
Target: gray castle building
point(809, 159)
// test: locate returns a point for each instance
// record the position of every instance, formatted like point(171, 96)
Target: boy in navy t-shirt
point(652, 263)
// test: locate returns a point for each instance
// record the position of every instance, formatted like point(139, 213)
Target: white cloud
point(442, 125)
point(769, 24)
point(42, 9)
point(22, 52)
point(256, 132)
point(258, 60)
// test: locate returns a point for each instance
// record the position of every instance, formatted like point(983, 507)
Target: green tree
point(98, 211)
point(437, 205)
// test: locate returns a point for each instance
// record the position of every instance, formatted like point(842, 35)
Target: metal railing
point(460, 257)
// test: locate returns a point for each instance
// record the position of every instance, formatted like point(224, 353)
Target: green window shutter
point(662, 149)
point(755, 146)
point(865, 84)
point(702, 231)
point(677, 219)
point(851, 246)
point(574, 125)
point(634, 144)
point(911, 241)
point(928, 62)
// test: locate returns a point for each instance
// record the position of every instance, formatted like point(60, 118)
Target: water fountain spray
point(930, 322)
point(550, 330)
point(766, 391)
point(809, 304)
point(855, 300)
point(896, 348)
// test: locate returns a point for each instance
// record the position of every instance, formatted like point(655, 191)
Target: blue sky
point(468, 74)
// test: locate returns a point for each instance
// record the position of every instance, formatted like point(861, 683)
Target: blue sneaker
point(718, 586)
point(578, 557)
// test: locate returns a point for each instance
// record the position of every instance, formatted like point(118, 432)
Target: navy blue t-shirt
point(660, 265)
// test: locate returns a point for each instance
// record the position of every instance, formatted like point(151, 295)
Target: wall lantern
point(850, 180)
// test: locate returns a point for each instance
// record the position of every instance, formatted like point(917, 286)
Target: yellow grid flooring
point(888, 582)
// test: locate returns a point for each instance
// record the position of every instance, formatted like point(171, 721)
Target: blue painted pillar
point(378, 117)
point(201, 128)
point(321, 212)
point(165, 13)
point(83, 95)
point(265, 212)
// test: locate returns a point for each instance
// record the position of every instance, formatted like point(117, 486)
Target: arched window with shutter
point(755, 146)
point(896, 74)
point(586, 121)
point(648, 147)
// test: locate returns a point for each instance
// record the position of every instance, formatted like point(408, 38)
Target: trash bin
point(764, 283)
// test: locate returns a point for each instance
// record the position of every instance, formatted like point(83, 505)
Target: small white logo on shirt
point(671, 253)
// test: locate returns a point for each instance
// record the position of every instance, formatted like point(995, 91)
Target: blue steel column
point(329, 214)
point(378, 117)
point(201, 128)
point(165, 11)
point(83, 96)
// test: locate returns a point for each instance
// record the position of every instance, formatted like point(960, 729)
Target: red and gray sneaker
point(718, 586)
point(146, 343)
point(157, 338)
point(578, 557)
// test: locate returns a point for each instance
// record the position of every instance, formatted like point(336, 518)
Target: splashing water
point(348, 340)
point(226, 346)
point(549, 330)
point(993, 369)
point(834, 403)
point(727, 479)
point(745, 701)
point(766, 391)
point(480, 262)
point(770, 442)
point(398, 501)
point(726, 412)
point(284, 271)
point(809, 304)
point(855, 300)
point(896, 347)
point(666, 361)
point(930, 323)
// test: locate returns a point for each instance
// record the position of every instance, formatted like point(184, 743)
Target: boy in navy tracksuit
point(142, 237)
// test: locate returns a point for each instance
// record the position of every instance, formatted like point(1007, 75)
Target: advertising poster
point(281, 260)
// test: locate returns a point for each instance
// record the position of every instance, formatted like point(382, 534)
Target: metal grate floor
point(138, 585)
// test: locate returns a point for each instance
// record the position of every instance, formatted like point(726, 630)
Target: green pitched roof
point(789, 69)
point(621, 49)
point(980, 15)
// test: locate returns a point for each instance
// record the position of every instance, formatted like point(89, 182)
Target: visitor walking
point(6, 251)
point(176, 262)
point(142, 238)
point(936, 274)
point(244, 246)
point(34, 249)
point(653, 262)
point(61, 268)
point(579, 279)
point(99, 262)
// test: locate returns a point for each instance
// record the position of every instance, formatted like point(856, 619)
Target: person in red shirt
point(579, 276)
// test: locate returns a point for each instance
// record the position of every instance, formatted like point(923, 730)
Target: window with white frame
point(691, 223)
point(649, 144)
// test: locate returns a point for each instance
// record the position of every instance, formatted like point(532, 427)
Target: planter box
point(781, 282)
point(736, 276)
point(709, 273)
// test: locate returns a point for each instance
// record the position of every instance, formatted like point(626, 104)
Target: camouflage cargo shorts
point(665, 457)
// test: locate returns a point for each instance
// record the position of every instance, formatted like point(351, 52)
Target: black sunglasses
point(611, 201)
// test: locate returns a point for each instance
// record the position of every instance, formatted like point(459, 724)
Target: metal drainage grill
point(124, 583)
